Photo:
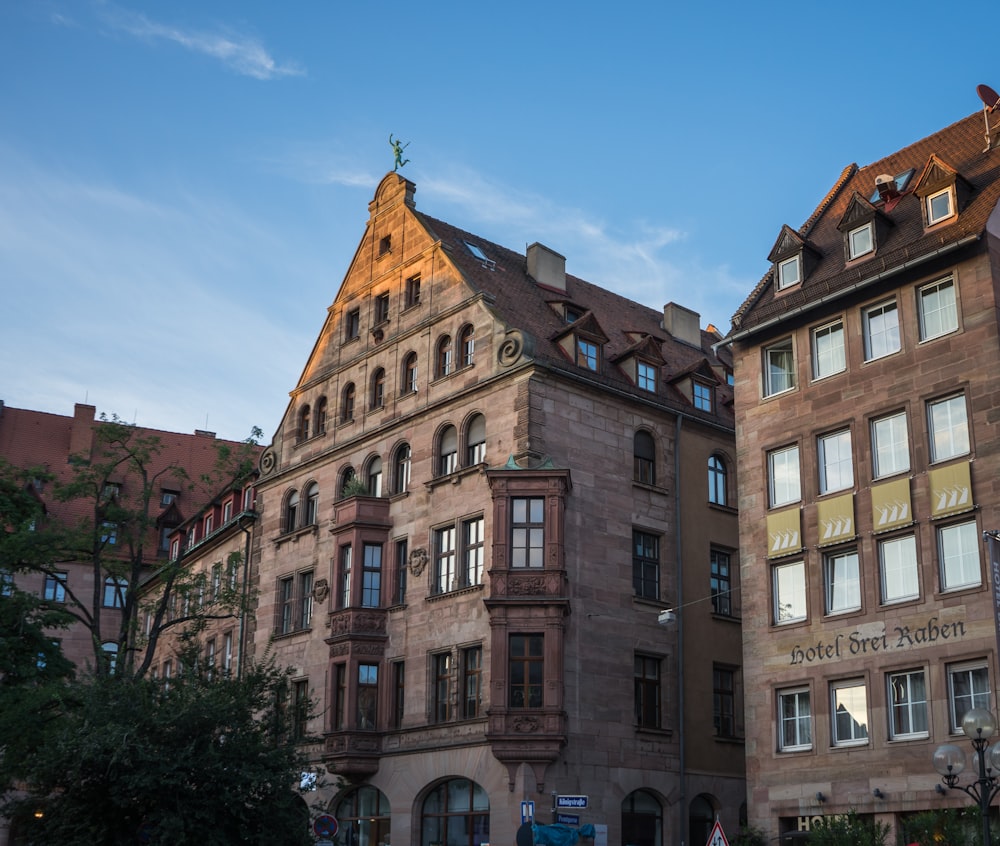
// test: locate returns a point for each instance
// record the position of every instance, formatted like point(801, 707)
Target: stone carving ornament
point(418, 560)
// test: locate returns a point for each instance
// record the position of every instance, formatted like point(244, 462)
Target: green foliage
point(198, 762)
point(748, 835)
point(355, 487)
point(943, 827)
point(848, 828)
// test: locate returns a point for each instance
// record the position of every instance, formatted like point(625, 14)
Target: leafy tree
point(944, 827)
point(199, 760)
point(749, 835)
point(848, 828)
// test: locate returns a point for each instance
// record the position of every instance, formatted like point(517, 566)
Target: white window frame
point(937, 309)
point(645, 375)
point(888, 337)
point(933, 217)
point(905, 573)
point(842, 581)
point(836, 461)
point(701, 395)
point(890, 451)
point(789, 582)
point(958, 555)
point(789, 272)
point(800, 721)
point(852, 694)
point(828, 350)
point(778, 379)
point(960, 702)
point(949, 435)
point(782, 465)
point(907, 705)
point(856, 247)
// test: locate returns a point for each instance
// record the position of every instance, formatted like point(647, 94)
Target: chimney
point(683, 324)
point(81, 432)
point(547, 267)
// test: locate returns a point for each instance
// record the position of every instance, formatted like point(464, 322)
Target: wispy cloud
point(242, 53)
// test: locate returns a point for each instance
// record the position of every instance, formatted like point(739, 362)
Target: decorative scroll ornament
point(512, 348)
point(268, 461)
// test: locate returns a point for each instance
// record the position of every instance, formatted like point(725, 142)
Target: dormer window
point(701, 395)
point(646, 376)
point(587, 354)
point(940, 206)
point(478, 253)
point(789, 272)
point(571, 314)
point(860, 241)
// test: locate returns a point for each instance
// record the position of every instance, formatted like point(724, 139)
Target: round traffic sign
point(325, 825)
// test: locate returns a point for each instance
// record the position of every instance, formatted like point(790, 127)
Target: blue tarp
point(560, 835)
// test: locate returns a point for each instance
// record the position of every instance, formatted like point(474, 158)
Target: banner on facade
point(891, 506)
point(835, 518)
point(784, 532)
point(993, 548)
point(951, 489)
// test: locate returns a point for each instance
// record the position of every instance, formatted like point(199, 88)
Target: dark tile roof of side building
point(959, 147)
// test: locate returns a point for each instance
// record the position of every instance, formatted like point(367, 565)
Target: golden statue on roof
point(397, 150)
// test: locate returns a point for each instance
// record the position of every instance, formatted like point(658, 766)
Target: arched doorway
point(364, 817)
point(457, 813)
point(701, 818)
point(642, 819)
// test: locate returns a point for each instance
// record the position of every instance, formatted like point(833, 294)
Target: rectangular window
point(586, 354)
point(789, 272)
point(939, 206)
point(371, 588)
point(828, 352)
point(527, 531)
point(890, 445)
point(300, 708)
point(789, 585)
point(352, 325)
point(227, 652)
point(367, 696)
point(216, 580)
point(948, 428)
point(881, 330)
point(210, 657)
point(646, 377)
point(6, 583)
point(958, 553)
point(779, 367)
point(701, 395)
point(836, 469)
point(305, 599)
point(381, 308)
point(109, 532)
point(398, 693)
point(907, 704)
point(849, 713)
point(385, 245)
point(444, 560)
point(724, 701)
point(472, 551)
point(227, 511)
point(472, 681)
point(339, 697)
point(645, 565)
point(526, 671)
point(402, 561)
point(345, 577)
point(860, 241)
point(114, 592)
point(209, 524)
point(794, 720)
point(784, 486)
point(898, 564)
point(720, 583)
point(968, 688)
point(286, 605)
point(937, 309)
point(55, 587)
point(842, 579)
point(167, 497)
point(647, 691)
point(442, 709)
point(412, 291)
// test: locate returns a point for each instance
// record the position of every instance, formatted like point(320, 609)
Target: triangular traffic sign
point(718, 836)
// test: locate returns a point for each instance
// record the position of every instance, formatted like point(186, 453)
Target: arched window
point(110, 649)
point(401, 469)
point(701, 818)
point(448, 451)
point(378, 388)
point(312, 505)
point(644, 451)
point(445, 362)
point(321, 416)
point(456, 812)
point(363, 815)
point(375, 477)
point(475, 441)
point(292, 511)
point(642, 819)
point(347, 404)
point(303, 432)
point(467, 345)
point(716, 480)
point(408, 384)
point(348, 480)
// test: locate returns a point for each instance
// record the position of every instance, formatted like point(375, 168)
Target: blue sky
point(183, 184)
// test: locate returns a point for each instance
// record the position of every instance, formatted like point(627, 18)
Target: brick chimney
point(81, 433)
point(547, 267)
point(683, 324)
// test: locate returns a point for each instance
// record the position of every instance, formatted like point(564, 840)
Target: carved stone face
point(418, 560)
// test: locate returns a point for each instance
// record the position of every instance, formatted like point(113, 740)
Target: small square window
point(860, 241)
point(789, 272)
point(940, 206)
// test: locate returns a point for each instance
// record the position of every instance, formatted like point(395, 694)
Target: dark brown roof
point(959, 147)
point(523, 304)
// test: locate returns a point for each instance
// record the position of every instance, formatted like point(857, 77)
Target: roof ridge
point(824, 204)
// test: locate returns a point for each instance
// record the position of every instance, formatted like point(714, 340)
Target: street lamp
point(979, 726)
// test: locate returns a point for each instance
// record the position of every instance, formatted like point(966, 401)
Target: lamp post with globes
point(979, 726)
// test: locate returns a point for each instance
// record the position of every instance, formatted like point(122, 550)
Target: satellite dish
point(989, 97)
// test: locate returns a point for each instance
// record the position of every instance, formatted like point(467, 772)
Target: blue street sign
point(571, 801)
point(568, 819)
point(527, 812)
